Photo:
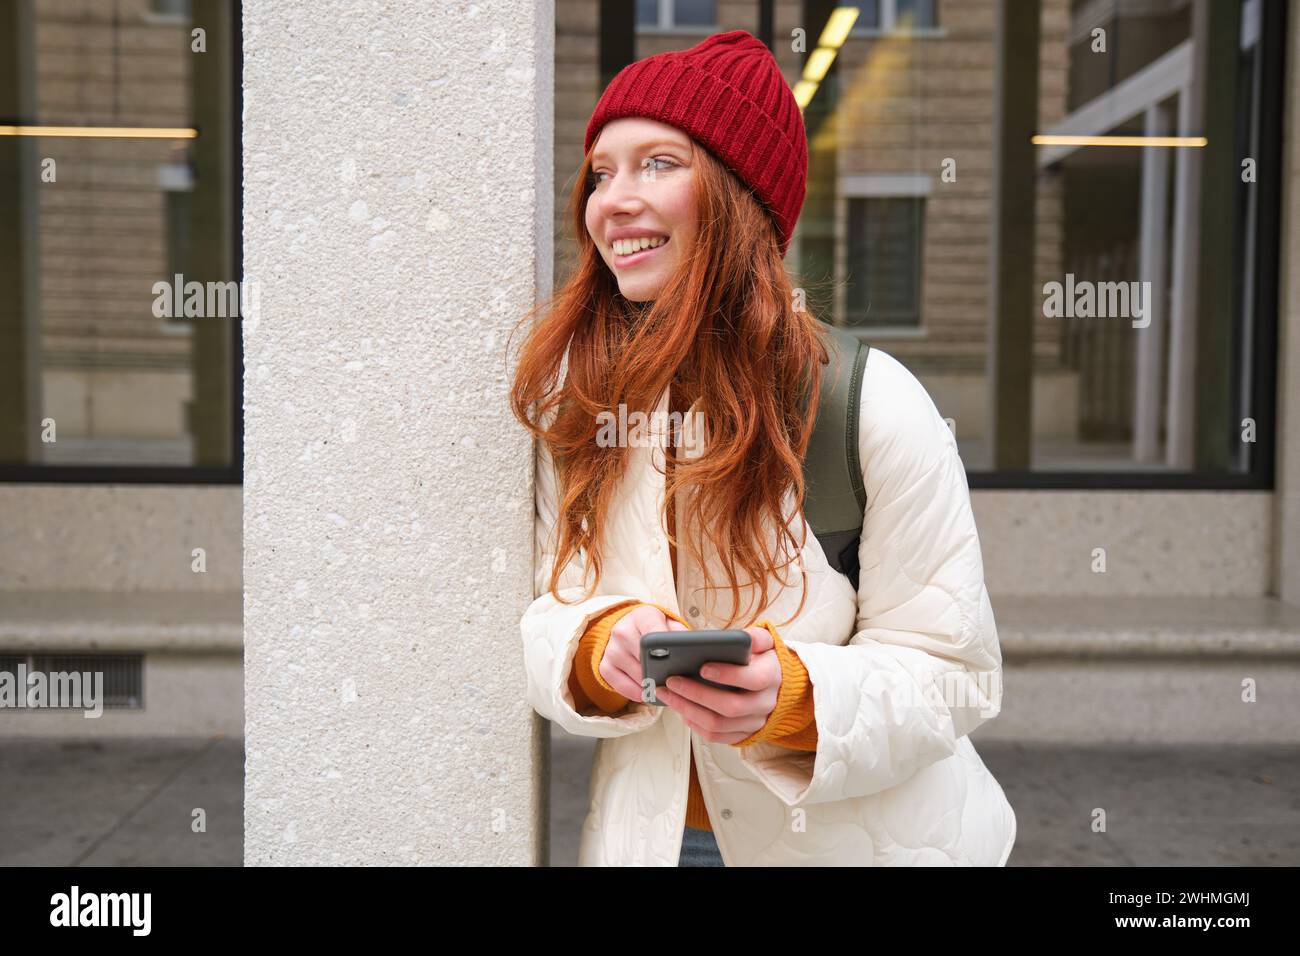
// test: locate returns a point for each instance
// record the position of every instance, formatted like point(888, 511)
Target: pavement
point(133, 802)
point(1201, 805)
point(122, 802)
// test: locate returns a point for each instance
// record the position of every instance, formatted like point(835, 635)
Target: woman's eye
point(597, 176)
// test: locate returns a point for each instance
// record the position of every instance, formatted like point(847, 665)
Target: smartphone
point(666, 654)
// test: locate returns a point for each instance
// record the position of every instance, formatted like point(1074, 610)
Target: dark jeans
point(699, 848)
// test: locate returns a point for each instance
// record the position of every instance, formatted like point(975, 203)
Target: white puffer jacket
point(901, 672)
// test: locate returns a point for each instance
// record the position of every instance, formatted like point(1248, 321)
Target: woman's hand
point(729, 716)
point(621, 665)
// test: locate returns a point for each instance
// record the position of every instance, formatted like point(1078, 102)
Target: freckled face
point(641, 211)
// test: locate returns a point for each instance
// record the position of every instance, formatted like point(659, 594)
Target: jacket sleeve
point(551, 629)
point(923, 666)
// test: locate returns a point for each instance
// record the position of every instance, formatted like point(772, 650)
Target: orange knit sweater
point(790, 724)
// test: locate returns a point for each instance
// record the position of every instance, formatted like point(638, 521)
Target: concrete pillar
point(397, 220)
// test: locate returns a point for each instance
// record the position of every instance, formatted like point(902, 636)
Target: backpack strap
point(835, 496)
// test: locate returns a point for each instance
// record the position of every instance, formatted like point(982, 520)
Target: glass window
point(171, 8)
point(869, 15)
point(1114, 299)
point(694, 13)
point(120, 337)
point(1130, 335)
point(676, 14)
point(1146, 345)
point(884, 271)
point(915, 15)
point(895, 16)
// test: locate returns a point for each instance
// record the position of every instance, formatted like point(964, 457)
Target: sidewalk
point(130, 802)
point(1197, 805)
point(121, 802)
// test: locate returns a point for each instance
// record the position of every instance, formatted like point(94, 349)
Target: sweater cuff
point(792, 722)
point(591, 651)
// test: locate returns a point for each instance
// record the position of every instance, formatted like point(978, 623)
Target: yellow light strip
point(1185, 141)
point(102, 132)
point(838, 26)
point(819, 62)
point(803, 92)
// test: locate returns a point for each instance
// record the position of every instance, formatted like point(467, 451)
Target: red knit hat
point(728, 94)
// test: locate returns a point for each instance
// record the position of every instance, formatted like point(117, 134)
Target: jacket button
point(693, 611)
point(726, 814)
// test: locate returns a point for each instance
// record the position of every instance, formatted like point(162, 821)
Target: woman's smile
point(632, 259)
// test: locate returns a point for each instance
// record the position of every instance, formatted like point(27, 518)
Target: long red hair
point(725, 329)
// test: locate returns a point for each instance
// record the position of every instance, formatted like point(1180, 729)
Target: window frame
point(889, 26)
point(668, 25)
point(868, 186)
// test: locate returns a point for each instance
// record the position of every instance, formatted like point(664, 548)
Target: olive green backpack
point(835, 496)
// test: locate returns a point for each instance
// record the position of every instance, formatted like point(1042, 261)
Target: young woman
point(846, 738)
